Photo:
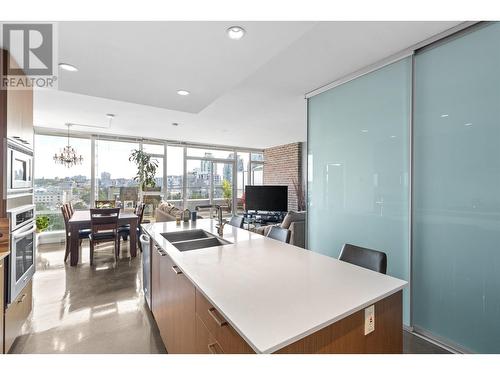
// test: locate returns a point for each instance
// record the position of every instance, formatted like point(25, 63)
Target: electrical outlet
point(369, 319)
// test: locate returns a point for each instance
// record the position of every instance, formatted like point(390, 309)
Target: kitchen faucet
point(221, 221)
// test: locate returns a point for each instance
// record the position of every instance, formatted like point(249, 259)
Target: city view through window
point(208, 178)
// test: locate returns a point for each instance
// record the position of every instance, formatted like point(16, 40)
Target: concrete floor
point(101, 309)
point(84, 309)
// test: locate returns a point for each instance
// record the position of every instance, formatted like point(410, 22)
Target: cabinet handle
point(176, 270)
point(161, 251)
point(21, 300)
point(215, 348)
point(213, 313)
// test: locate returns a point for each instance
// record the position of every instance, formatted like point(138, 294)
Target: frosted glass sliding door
point(358, 158)
point(456, 252)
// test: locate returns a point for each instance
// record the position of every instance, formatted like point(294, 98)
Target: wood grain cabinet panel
point(205, 341)
point(173, 305)
point(229, 340)
point(181, 311)
point(347, 336)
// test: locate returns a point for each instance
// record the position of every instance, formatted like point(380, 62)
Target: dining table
point(81, 220)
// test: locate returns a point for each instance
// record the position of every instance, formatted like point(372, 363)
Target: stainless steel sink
point(186, 235)
point(200, 244)
point(193, 239)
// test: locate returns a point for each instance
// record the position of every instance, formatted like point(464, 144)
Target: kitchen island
point(256, 294)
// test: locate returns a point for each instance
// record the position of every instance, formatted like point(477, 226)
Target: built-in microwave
point(19, 169)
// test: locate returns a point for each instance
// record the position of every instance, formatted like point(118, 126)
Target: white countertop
point(272, 293)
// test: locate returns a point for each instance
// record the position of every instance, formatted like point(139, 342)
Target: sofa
point(295, 222)
point(166, 212)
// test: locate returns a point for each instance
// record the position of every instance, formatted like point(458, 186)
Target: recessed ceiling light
point(235, 32)
point(182, 92)
point(110, 115)
point(443, 116)
point(468, 124)
point(175, 124)
point(68, 67)
point(393, 136)
point(364, 131)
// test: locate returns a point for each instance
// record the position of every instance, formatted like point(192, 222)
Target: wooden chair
point(70, 208)
point(105, 204)
point(124, 230)
point(82, 233)
point(104, 228)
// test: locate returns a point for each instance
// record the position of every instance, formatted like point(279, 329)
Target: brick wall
point(283, 166)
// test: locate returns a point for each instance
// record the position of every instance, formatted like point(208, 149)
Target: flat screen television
point(266, 198)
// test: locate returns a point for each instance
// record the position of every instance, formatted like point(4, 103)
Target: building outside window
point(186, 176)
point(115, 173)
point(55, 184)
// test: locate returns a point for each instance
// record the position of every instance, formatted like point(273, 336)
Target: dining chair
point(280, 234)
point(367, 258)
point(71, 210)
point(124, 230)
point(104, 228)
point(82, 233)
point(104, 204)
point(236, 221)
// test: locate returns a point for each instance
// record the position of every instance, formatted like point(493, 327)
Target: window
point(115, 173)
point(56, 184)
point(257, 156)
point(154, 149)
point(185, 176)
point(175, 175)
point(257, 174)
point(223, 186)
point(153, 196)
point(208, 153)
point(242, 179)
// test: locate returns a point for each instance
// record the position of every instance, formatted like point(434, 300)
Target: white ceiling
point(246, 93)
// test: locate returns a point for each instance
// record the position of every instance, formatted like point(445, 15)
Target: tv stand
point(264, 217)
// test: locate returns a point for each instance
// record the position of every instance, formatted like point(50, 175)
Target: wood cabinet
point(16, 123)
point(226, 337)
point(179, 309)
point(2, 276)
point(19, 112)
point(173, 304)
point(17, 314)
point(205, 341)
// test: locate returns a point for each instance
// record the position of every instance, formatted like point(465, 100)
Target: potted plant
point(42, 223)
point(146, 170)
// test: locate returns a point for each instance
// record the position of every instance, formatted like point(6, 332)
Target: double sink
point(193, 239)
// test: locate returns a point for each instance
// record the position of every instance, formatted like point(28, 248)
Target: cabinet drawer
point(205, 341)
point(228, 339)
point(16, 315)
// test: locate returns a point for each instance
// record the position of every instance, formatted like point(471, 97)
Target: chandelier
point(68, 156)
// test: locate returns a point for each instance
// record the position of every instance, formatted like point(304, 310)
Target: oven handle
point(22, 234)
